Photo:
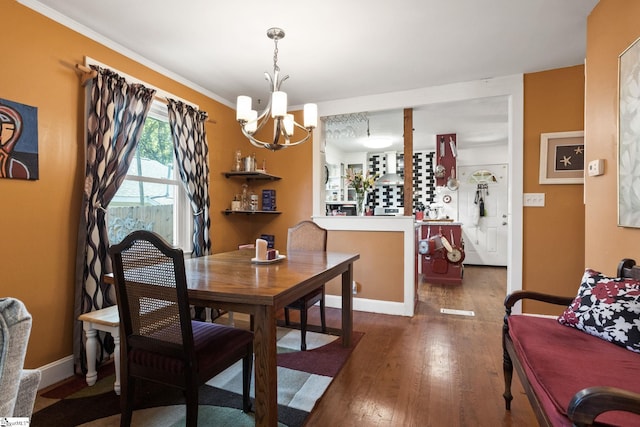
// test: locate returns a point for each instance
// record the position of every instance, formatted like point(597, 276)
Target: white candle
point(261, 249)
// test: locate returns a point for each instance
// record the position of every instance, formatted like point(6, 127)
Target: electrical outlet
point(534, 199)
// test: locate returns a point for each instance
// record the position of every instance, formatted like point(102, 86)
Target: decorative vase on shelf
point(361, 200)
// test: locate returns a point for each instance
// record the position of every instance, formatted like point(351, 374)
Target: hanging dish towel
point(475, 213)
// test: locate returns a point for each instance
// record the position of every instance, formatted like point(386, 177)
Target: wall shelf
point(249, 175)
point(229, 211)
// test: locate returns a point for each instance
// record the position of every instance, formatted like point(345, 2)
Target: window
point(152, 196)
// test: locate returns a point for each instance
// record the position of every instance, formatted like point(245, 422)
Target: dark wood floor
point(432, 369)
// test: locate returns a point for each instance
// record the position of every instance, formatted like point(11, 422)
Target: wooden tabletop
point(232, 277)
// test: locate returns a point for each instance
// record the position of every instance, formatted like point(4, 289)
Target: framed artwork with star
point(562, 158)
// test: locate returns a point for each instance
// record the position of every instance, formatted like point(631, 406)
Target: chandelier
point(276, 109)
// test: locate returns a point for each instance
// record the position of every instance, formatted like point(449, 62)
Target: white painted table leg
point(106, 320)
point(116, 360)
point(91, 349)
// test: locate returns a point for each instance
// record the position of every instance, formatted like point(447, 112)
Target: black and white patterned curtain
point(117, 112)
point(192, 153)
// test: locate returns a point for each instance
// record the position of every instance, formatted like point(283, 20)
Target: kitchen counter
point(436, 222)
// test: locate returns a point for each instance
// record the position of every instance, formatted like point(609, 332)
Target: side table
point(107, 320)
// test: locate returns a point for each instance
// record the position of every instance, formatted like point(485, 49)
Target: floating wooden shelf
point(229, 211)
point(251, 175)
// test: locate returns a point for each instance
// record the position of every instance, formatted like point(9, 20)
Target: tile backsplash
point(393, 195)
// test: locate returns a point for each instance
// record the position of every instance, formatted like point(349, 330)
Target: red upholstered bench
point(570, 376)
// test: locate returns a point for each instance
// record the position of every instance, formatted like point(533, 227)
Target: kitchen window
point(152, 196)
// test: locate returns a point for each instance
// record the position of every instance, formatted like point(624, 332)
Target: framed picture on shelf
point(562, 158)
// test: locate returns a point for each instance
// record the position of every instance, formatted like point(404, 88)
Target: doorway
point(510, 87)
point(483, 212)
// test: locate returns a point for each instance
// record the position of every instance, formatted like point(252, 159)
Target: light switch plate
point(534, 199)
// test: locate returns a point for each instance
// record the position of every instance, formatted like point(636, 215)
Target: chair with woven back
point(160, 341)
point(307, 236)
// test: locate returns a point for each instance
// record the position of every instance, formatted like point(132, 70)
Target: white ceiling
point(337, 49)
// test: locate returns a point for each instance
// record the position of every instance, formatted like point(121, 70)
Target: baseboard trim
point(370, 305)
point(56, 371)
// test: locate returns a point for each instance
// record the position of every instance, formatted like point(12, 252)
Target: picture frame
point(628, 134)
point(562, 158)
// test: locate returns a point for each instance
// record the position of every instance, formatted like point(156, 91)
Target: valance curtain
point(117, 112)
point(192, 154)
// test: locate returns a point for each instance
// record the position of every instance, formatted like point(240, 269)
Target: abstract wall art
point(18, 140)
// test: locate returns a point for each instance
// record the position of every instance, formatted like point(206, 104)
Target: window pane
point(141, 206)
point(154, 154)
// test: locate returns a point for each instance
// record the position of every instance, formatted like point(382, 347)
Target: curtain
point(117, 112)
point(192, 154)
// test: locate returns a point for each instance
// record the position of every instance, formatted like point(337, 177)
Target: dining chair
point(159, 340)
point(307, 236)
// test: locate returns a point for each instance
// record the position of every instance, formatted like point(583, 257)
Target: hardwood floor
point(429, 370)
point(432, 369)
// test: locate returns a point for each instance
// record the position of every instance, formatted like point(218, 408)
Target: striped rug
point(303, 377)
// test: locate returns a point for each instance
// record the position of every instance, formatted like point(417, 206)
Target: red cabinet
point(443, 262)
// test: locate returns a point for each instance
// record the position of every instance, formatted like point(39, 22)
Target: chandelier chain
point(275, 56)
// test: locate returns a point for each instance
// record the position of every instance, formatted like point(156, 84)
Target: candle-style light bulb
point(288, 124)
point(278, 104)
point(310, 116)
point(243, 108)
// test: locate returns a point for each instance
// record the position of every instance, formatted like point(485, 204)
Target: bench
point(570, 376)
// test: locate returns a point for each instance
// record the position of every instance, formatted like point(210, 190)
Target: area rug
point(303, 377)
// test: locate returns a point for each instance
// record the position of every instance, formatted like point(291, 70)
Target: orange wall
point(553, 255)
point(40, 218)
point(612, 27)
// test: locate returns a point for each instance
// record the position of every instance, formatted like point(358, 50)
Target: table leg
point(91, 349)
point(265, 369)
point(347, 306)
point(116, 360)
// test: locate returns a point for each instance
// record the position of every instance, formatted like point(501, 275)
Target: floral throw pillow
point(608, 308)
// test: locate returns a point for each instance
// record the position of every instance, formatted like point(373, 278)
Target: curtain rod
point(89, 73)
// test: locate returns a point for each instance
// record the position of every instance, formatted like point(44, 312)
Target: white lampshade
point(252, 123)
point(278, 104)
point(243, 108)
point(310, 115)
point(288, 124)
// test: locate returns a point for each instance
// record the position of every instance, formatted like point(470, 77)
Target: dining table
point(235, 281)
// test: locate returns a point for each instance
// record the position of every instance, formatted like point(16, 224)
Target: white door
point(485, 236)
